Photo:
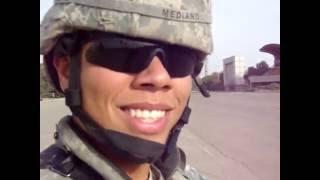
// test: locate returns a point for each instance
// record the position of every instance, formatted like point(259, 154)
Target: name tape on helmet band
point(143, 9)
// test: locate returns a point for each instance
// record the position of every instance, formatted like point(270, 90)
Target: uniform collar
point(84, 151)
point(87, 153)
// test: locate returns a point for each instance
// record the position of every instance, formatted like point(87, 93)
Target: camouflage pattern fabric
point(106, 169)
point(182, 22)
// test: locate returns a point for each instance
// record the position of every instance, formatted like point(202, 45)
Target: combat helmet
point(184, 22)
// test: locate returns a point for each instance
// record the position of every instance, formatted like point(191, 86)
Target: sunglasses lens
point(178, 61)
point(112, 58)
point(181, 62)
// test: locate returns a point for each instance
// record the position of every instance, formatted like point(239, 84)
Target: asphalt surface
point(231, 136)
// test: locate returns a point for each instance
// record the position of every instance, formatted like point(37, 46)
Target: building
point(263, 80)
point(273, 49)
point(233, 72)
point(272, 76)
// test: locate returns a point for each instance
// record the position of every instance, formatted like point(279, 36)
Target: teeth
point(133, 112)
point(147, 115)
point(138, 113)
point(154, 114)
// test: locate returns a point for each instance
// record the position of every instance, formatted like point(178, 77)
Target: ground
point(231, 135)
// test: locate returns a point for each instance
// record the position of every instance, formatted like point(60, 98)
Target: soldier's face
point(146, 104)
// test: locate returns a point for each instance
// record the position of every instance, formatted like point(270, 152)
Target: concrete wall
point(234, 69)
point(262, 79)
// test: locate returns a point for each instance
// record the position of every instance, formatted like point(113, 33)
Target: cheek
point(99, 92)
point(101, 89)
point(182, 92)
point(94, 82)
point(183, 89)
point(95, 93)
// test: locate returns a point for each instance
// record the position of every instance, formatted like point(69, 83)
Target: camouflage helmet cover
point(180, 22)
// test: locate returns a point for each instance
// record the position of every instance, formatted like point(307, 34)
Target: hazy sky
point(240, 27)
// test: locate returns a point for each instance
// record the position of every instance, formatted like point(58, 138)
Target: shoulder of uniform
point(46, 174)
point(184, 171)
point(189, 173)
point(193, 173)
point(56, 160)
point(57, 163)
point(182, 159)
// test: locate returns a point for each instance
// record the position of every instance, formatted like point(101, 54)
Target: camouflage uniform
point(58, 162)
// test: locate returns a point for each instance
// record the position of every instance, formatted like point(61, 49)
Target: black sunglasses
point(128, 55)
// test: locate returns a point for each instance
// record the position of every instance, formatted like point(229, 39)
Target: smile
point(147, 118)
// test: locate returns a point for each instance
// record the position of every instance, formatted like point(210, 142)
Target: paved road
point(231, 136)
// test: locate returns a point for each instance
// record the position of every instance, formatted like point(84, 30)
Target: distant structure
point(273, 49)
point(233, 72)
point(272, 75)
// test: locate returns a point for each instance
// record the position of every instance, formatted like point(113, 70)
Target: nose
point(154, 77)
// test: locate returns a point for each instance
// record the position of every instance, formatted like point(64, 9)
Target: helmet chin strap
point(201, 88)
point(170, 158)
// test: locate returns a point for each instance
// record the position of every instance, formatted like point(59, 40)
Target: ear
point(62, 65)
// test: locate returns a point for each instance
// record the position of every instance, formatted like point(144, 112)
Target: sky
point(239, 28)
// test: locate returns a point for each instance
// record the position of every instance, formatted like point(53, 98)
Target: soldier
point(126, 69)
